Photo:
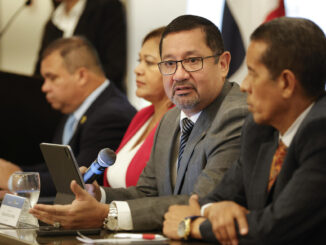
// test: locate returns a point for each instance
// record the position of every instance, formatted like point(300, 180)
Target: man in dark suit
point(75, 84)
point(275, 192)
point(194, 67)
point(102, 22)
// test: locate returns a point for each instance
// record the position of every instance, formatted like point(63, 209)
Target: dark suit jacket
point(103, 23)
point(294, 212)
point(213, 145)
point(106, 122)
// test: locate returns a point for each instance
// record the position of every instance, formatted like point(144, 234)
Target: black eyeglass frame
point(181, 61)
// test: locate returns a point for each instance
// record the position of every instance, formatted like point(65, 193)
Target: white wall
point(20, 44)
point(143, 16)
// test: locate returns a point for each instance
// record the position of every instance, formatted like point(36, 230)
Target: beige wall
point(19, 45)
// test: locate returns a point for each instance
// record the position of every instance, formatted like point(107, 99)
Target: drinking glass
point(26, 184)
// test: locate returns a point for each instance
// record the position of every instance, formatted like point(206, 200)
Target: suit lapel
point(171, 144)
point(199, 131)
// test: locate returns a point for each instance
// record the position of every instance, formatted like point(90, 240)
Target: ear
point(287, 83)
point(81, 76)
point(224, 63)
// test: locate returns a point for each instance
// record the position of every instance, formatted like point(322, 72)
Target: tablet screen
point(63, 168)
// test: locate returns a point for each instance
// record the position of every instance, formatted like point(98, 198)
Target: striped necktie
point(68, 129)
point(277, 163)
point(187, 126)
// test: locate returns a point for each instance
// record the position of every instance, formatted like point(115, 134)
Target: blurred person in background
point(102, 22)
point(97, 113)
point(135, 148)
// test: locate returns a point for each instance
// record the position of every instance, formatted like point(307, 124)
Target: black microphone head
point(106, 157)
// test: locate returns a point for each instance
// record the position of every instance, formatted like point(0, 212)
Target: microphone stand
point(13, 17)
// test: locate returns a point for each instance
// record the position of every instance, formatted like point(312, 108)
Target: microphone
point(105, 158)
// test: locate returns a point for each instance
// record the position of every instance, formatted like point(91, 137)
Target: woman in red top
point(135, 148)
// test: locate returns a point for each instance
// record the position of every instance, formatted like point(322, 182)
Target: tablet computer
point(63, 168)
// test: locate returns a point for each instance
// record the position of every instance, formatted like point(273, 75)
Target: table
point(12, 236)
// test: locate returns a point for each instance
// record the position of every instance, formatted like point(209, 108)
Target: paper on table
point(85, 239)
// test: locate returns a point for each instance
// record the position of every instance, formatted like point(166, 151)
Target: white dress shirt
point(116, 175)
point(67, 22)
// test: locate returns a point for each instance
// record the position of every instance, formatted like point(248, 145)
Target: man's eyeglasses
point(191, 64)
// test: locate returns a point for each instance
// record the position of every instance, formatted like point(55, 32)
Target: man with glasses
point(195, 143)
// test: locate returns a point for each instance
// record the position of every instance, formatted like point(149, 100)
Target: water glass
point(25, 184)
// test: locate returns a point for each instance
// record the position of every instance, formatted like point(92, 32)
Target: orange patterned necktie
point(277, 163)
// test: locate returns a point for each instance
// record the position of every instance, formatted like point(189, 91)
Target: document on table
point(121, 238)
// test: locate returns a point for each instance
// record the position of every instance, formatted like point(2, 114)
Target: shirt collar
point(287, 137)
point(89, 100)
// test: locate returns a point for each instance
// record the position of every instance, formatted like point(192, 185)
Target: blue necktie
point(68, 129)
point(187, 126)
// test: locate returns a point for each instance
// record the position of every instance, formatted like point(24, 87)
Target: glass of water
point(26, 184)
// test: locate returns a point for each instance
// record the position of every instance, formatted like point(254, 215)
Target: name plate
point(14, 212)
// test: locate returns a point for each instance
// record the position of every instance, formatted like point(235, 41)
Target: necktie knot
point(187, 126)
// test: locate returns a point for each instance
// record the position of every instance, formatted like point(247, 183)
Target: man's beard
point(185, 103)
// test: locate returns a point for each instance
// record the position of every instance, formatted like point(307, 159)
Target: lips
point(183, 89)
point(139, 83)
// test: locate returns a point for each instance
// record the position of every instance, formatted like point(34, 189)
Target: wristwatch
point(184, 227)
point(111, 222)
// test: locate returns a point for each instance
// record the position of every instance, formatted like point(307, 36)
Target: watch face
point(112, 223)
point(181, 229)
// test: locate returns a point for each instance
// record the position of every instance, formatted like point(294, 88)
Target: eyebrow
point(188, 53)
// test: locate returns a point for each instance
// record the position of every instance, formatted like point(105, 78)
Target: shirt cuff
point(124, 216)
point(202, 210)
point(103, 195)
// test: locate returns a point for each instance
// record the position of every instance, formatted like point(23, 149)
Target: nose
point(244, 87)
point(180, 73)
point(45, 86)
point(139, 70)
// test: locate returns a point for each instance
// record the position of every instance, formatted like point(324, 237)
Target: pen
point(146, 236)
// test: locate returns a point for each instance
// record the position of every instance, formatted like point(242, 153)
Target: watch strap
point(187, 224)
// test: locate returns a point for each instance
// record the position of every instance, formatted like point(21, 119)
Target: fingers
point(243, 224)
point(82, 169)
point(79, 192)
point(49, 214)
point(193, 203)
point(224, 231)
point(223, 216)
point(193, 200)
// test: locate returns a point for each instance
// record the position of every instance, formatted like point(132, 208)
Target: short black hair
point(76, 52)
point(189, 22)
point(296, 44)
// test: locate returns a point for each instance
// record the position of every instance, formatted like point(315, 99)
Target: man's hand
point(83, 212)
point(6, 169)
point(93, 189)
point(222, 216)
point(176, 214)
